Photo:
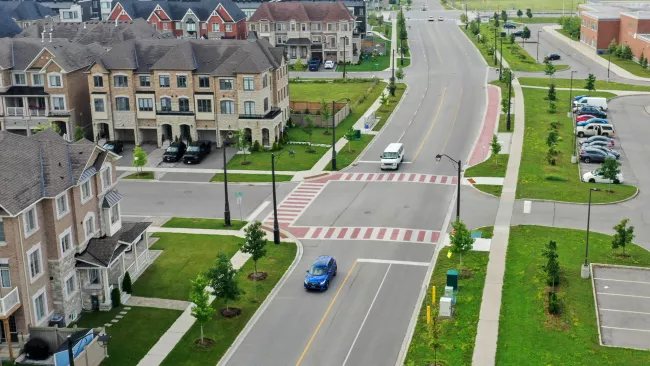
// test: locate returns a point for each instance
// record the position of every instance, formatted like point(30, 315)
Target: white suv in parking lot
point(595, 176)
point(594, 129)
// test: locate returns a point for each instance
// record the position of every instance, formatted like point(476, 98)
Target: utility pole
point(393, 64)
point(509, 101)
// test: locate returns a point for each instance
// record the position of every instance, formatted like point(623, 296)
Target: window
point(164, 81)
point(226, 84)
point(145, 104)
point(166, 104)
point(165, 26)
point(70, 15)
point(30, 220)
point(70, 285)
point(5, 275)
point(19, 79)
point(122, 103)
point(183, 105)
point(204, 105)
point(40, 308)
point(106, 5)
point(249, 108)
point(293, 52)
point(107, 177)
point(315, 26)
point(204, 81)
point(293, 27)
point(215, 27)
point(145, 81)
point(278, 26)
point(316, 39)
point(191, 27)
point(99, 104)
point(303, 27)
point(2, 231)
point(228, 27)
point(249, 83)
point(227, 107)
point(58, 103)
point(181, 81)
point(66, 241)
point(115, 214)
point(62, 205)
point(331, 27)
point(155, 25)
point(98, 81)
point(204, 26)
point(37, 79)
point(120, 81)
point(89, 225)
point(265, 81)
point(35, 265)
point(266, 104)
point(178, 25)
point(279, 40)
point(86, 191)
point(93, 276)
point(344, 27)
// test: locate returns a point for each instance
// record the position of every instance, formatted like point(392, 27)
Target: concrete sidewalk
point(617, 92)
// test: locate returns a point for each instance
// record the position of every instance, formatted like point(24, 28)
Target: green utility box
point(452, 279)
point(357, 135)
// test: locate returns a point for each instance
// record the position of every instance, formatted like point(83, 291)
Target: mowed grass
point(251, 178)
point(503, 122)
point(301, 160)
point(489, 189)
point(134, 335)
point(630, 66)
point(534, 20)
point(458, 334)
point(184, 256)
point(534, 5)
point(224, 331)
point(494, 166)
point(198, 223)
point(379, 64)
point(384, 111)
point(140, 176)
point(580, 84)
point(527, 335)
point(537, 178)
point(350, 151)
point(305, 91)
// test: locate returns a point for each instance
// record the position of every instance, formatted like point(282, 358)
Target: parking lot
point(622, 296)
point(626, 169)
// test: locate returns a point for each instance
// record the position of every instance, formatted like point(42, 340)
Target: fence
point(298, 117)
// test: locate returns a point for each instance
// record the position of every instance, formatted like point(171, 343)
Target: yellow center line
point(460, 98)
point(444, 92)
point(325, 315)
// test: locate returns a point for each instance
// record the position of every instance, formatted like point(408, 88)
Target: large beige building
point(160, 90)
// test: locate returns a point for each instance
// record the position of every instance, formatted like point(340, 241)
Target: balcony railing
point(59, 113)
point(36, 112)
point(9, 302)
point(175, 113)
point(15, 111)
point(270, 115)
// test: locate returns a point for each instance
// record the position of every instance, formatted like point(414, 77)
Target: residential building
point(63, 246)
point(308, 30)
point(209, 19)
point(9, 26)
point(25, 13)
point(157, 90)
point(42, 81)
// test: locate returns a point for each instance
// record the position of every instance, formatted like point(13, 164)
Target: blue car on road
point(509, 26)
point(321, 273)
point(592, 120)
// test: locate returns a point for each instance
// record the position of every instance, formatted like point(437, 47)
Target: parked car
point(329, 64)
point(579, 97)
point(197, 151)
point(321, 273)
point(584, 117)
point(314, 65)
point(509, 26)
point(114, 146)
point(174, 152)
point(553, 56)
point(598, 144)
point(518, 33)
point(594, 111)
point(597, 138)
point(607, 150)
point(592, 101)
point(593, 129)
point(593, 155)
point(596, 176)
point(440, 18)
point(430, 19)
point(592, 120)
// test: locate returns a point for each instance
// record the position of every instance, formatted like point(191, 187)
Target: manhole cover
point(366, 212)
point(407, 206)
point(160, 203)
point(187, 192)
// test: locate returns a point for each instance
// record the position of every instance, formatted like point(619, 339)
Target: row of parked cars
point(192, 154)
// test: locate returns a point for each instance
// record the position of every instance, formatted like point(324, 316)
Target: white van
point(392, 156)
point(598, 102)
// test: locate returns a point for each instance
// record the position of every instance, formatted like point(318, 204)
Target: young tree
point(496, 22)
point(504, 16)
point(552, 266)
point(201, 310)
point(512, 38)
point(613, 46)
point(255, 243)
point(223, 282)
point(463, 18)
point(299, 65)
point(399, 74)
point(610, 169)
point(350, 135)
point(519, 14)
point(392, 86)
point(433, 334)
point(552, 138)
point(550, 70)
point(242, 143)
point(643, 61)
point(461, 239)
point(78, 133)
point(551, 93)
point(139, 158)
point(42, 127)
point(383, 99)
point(525, 34)
point(627, 53)
point(529, 13)
point(495, 146)
point(325, 115)
point(308, 128)
point(591, 83)
point(619, 51)
point(624, 235)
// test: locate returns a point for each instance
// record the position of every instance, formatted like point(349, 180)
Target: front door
point(12, 330)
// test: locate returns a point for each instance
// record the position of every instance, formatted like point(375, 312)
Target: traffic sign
point(239, 194)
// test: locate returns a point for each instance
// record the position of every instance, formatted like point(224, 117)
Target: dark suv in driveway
point(174, 152)
point(197, 151)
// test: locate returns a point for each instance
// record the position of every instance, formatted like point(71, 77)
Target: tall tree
point(504, 15)
point(223, 281)
point(139, 158)
point(202, 311)
point(610, 169)
point(591, 83)
point(461, 239)
point(519, 14)
point(623, 236)
point(529, 13)
point(242, 142)
point(255, 243)
point(525, 34)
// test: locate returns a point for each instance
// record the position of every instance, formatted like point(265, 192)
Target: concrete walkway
point(152, 302)
point(238, 233)
point(488, 326)
point(393, 41)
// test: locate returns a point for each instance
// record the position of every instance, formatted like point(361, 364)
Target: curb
point(582, 203)
point(265, 304)
point(485, 193)
point(496, 127)
point(189, 182)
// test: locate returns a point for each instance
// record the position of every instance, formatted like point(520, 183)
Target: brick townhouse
point(158, 90)
point(63, 246)
point(210, 19)
point(308, 30)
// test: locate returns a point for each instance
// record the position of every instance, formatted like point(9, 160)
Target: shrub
point(115, 298)
point(126, 283)
point(275, 146)
point(555, 178)
point(307, 111)
point(552, 108)
point(553, 303)
point(256, 147)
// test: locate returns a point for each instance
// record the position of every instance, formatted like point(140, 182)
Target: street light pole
point(276, 226)
point(459, 166)
point(345, 39)
point(501, 59)
point(571, 92)
point(585, 267)
point(537, 54)
point(393, 64)
point(509, 100)
point(495, 45)
point(226, 212)
point(609, 63)
point(333, 137)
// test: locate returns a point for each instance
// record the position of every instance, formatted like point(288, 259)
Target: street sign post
point(239, 195)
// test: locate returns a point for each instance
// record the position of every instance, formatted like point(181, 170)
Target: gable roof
point(9, 27)
point(19, 53)
point(302, 12)
point(25, 10)
point(177, 9)
point(103, 251)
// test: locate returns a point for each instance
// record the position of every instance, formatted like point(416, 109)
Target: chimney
point(50, 37)
point(84, 25)
point(43, 36)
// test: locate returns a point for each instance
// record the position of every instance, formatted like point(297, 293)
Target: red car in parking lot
point(584, 117)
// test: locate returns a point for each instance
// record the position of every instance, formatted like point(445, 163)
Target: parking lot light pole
point(571, 92)
point(584, 273)
point(495, 46)
point(333, 163)
point(276, 225)
point(458, 165)
point(537, 54)
point(226, 212)
point(501, 59)
point(609, 63)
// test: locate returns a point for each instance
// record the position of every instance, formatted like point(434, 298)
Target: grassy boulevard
point(198, 223)
point(580, 84)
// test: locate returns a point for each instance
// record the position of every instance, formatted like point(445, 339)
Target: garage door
point(149, 136)
point(126, 135)
point(210, 135)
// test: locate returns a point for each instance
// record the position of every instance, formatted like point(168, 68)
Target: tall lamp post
point(537, 54)
point(501, 59)
point(584, 273)
point(609, 63)
point(334, 130)
point(226, 210)
point(509, 100)
point(345, 43)
point(495, 45)
point(276, 226)
point(458, 165)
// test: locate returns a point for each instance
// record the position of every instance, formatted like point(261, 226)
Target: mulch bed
point(230, 312)
point(258, 276)
point(207, 343)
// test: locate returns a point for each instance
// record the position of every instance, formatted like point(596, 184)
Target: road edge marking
point(435, 118)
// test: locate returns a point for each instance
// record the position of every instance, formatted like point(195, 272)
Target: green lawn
point(566, 34)
point(537, 178)
point(503, 123)
point(379, 64)
point(317, 92)
point(527, 335)
point(630, 66)
point(140, 176)
point(301, 160)
point(458, 334)
point(196, 223)
point(384, 111)
point(580, 84)
point(345, 157)
point(534, 5)
point(298, 134)
point(494, 166)
point(224, 331)
point(183, 257)
point(133, 335)
point(535, 20)
point(251, 178)
point(489, 189)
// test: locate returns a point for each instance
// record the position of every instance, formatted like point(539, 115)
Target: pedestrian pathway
point(617, 92)
point(483, 148)
point(152, 302)
point(199, 170)
point(296, 203)
point(365, 233)
point(393, 177)
point(118, 317)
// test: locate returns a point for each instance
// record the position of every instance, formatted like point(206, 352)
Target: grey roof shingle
point(18, 53)
point(102, 251)
point(302, 11)
point(177, 9)
point(25, 10)
point(132, 230)
point(111, 199)
point(9, 27)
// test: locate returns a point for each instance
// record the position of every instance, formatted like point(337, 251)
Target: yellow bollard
point(433, 295)
point(428, 314)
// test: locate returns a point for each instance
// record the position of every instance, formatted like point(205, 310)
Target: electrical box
point(452, 279)
point(449, 292)
point(446, 307)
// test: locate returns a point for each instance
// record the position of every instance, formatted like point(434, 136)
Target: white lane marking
point(610, 294)
point(377, 162)
point(366, 317)
point(390, 261)
point(527, 206)
point(626, 311)
point(611, 279)
point(258, 210)
point(630, 329)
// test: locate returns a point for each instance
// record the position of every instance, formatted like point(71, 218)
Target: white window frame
point(35, 229)
point(245, 81)
point(217, 28)
point(107, 168)
point(3, 241)
point(90, 191)
point(198, 105)
point(249, 107)
point(128, 102)
point(56, 75)
point(5, 267)
point(103, 105)
point(187, 81)
point(66, 232)
point(228, 27)
point(229, 110)
point(140, 81)
point(40, 77)
point(153, 105)
point(39, 293)
point(187, 99)
point(65, 102)
point(102, 79)
point(72, 277)
point(120, 87)
point(13, 78)
point(163, 105)
point(89, 217)
point(112, 214)
point(169, 81)
point(35, 248)
point(59, 213)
